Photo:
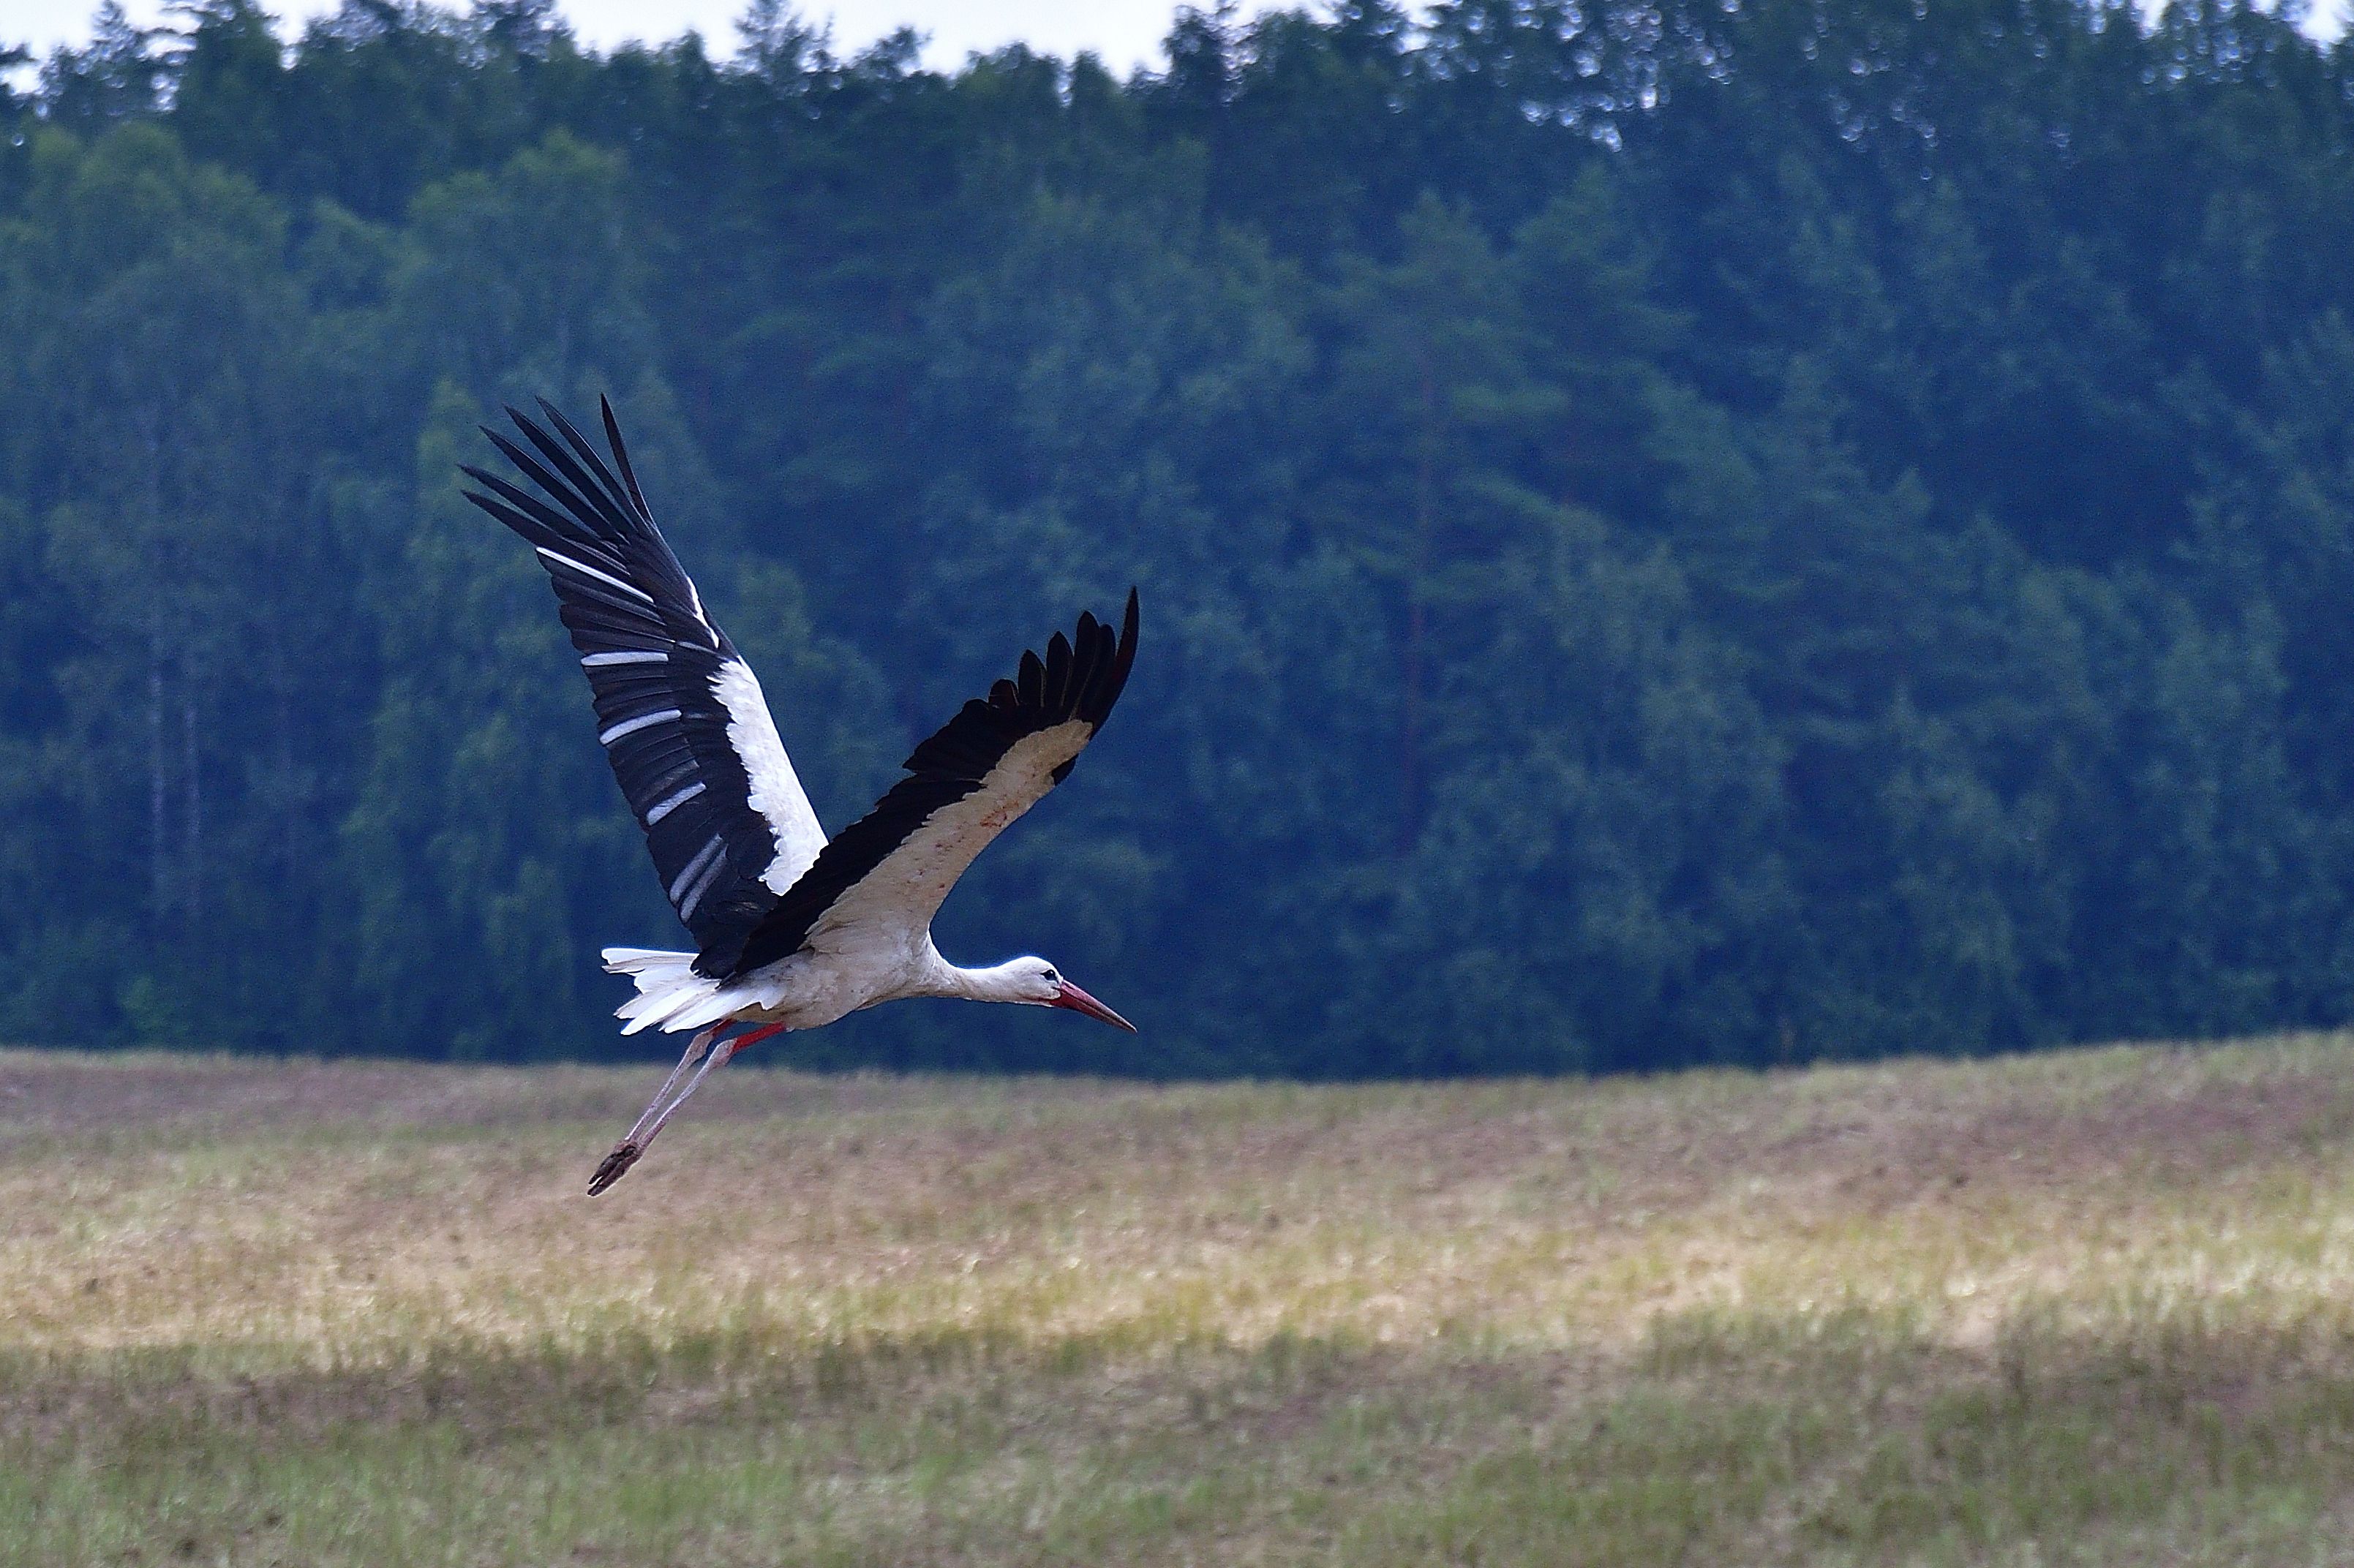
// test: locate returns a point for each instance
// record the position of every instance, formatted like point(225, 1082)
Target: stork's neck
point(999, 982)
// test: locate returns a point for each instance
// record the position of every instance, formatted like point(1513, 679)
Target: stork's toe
point(616, 1166)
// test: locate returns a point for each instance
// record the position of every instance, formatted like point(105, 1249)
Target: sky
point(1125, 33)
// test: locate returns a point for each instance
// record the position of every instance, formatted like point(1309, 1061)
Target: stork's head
point(1040, 984)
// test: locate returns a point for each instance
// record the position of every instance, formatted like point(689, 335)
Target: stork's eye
point(1052, 978)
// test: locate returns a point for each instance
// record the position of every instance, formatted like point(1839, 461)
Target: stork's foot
point(641, 1136)
point(617, 1165)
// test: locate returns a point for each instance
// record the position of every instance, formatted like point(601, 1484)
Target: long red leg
point(755, 1037)
point(694, 1049)
point(625, 1154)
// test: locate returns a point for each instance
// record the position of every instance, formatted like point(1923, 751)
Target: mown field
point(2092, 1308)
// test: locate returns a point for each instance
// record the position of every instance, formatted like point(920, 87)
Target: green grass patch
point(2085, 1309)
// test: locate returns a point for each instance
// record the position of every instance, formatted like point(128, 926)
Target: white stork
point(793, 929)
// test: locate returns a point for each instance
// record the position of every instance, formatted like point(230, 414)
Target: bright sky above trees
point(1124, 32)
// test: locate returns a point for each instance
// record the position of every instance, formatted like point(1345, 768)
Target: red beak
point(1071, 996)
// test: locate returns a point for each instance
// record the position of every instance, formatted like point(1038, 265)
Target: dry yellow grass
point(2087, 1307)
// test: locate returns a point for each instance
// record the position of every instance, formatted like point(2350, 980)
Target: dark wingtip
point(1123, 657)
point(614, 490)
point(1058, 675)
point(1108, 660)
point(620, 452)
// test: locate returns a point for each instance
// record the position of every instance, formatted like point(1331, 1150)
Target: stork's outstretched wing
point(887, 873)
point(679, 713)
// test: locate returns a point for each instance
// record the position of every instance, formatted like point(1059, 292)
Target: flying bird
point(793, 930)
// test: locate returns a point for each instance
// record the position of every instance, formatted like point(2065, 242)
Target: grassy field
point(2093, 1308)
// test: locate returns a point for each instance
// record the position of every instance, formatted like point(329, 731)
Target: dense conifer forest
point(1670, 533)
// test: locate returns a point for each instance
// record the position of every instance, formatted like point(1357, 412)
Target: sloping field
point(2093, 1308)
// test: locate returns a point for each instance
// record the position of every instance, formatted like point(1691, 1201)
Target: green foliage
point(1667, 536)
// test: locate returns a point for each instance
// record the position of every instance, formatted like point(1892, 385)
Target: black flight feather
point(652, 657)
point(948, 765)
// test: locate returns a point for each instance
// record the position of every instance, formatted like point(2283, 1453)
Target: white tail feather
point(700, 1011)
point(666, 983)
point(658, 1016)
point(673, 997)
point(637, 960)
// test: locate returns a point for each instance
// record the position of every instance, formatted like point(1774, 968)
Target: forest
point(1670, 533)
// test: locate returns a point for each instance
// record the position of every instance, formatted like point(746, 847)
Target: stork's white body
point(795, 929)
point(808, 990)
point(874, 942)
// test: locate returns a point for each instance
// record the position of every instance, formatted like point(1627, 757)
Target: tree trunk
point(1416, 615)
point(193, 890)
point(159, 863)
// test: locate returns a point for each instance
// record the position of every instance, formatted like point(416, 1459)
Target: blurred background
point(1668, 534)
